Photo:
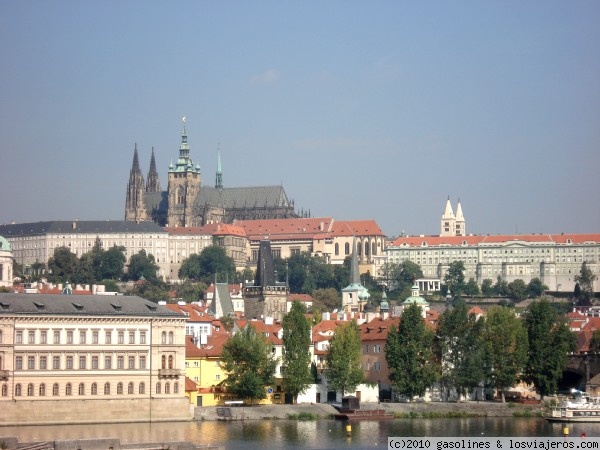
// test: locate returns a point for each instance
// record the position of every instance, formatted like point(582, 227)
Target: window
point(130, 388)
point(69, 362)
point(170, 361)
point(142, 388)
point(167, 388)
point(106, 388)
point(163, 364)
point(94, 362)
point(163, 337)
point(176, 388)
point(42, 390)
point(170, 337)
point(217, 377)
point(132, 337)
point(56, 362)
point(142, 362)
point(94, 337)
point(55, 389)
point(68, 389)
point(31, 362)
point(119, 388)
point(82, 361)
point(142, 337)
point(19, 337)
point(19, 363)
point(30, 390)
point(107, 362)
point(337, 249)
point(43, 337)
point(131, 362)
point(158, 388)
point(56, 337)
point(43, 362)
point(81, 390)
point(108, 337)
point(82, 336)
point(17, 390)
point(31, 337)
point(120, 362)
point(121, 337)
point(94, 389)
point(347, 248)
point(69, 337)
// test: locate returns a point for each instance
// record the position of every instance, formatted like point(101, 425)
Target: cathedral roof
point(243, 197)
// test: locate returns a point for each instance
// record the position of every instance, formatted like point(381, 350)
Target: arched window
point(167, 388)
point(55, 389)
point(163, 362)
point(176, 388)
point(180, 198)
point(163, 337)
point(106, 388)
point(130, 388)
point(18, 390)
point(0, 339)
point(4, 390)
point(373, 249)
point(42, 392)
point(30, 390)
point(366, 249)
point(158, 388)
point(170, 361)
point(170, 337)
point(94, 389)
point(142, 388)
point(119, 388)
point(347, 248)
point(68, 389)
point(358, 249)
point(337, 249)
point(81, 390)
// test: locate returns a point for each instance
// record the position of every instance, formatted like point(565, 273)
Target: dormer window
point(116, 307)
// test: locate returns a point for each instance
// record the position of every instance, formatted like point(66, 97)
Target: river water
point(318, 434)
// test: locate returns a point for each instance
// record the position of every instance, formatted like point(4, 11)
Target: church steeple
point(448, 222)
point(219, 176)
point(153, 184)
point(460, 226)
point(135, 208)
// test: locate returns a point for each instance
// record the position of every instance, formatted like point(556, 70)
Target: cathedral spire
point(153, 183)
point(448, 222)
point(219, 177)
point(135, 167)
point(135, 208)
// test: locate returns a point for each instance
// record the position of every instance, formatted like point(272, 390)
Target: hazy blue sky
point(362, 110)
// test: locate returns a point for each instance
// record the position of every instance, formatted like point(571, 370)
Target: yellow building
point(90, 359)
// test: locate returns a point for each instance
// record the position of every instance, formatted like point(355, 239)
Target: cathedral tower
point(153, 184)
point(135, 208)
point(184, 187)
point(452, 225)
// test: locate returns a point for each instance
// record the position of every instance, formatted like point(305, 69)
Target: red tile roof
point(378, 328)
point(194, 313)
point(190, 385)
point(417, 241)
point(356, 228)
point(279, 229)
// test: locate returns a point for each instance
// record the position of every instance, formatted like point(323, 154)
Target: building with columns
point(90, 359)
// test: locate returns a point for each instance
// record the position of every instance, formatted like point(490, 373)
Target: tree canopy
point(210, 262)
point(344, 369)
point(296, 355)
point(455, 278)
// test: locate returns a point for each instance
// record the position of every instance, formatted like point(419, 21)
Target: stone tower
point(452, 225)
point(459, 225)
point(184, 187)
point(153, 184)
point(135, 207)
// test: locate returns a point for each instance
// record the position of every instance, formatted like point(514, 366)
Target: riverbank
point(424, 409)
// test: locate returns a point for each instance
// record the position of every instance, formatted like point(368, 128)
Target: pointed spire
point(135, 167)
point(448, 213)
point(153, 183)
point(459, 213)
point(219, 176)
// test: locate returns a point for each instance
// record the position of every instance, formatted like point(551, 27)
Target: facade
point(553, 258)
point(34, 243)
point(86, 359)
point(6, 263)
point(183, 242)
point(188, 203)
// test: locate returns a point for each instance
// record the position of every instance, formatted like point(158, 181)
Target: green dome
point(4, 245)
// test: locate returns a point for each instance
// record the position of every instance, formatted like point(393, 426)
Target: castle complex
point(188, 203)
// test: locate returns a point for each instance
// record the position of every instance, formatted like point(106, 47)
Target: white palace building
point(553, 258)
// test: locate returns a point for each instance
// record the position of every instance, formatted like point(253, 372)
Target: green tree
point(190, 292)
point(501, 287)
point(142, 265)
point(249, 363)
point(487, 287)
point(296, 355)
point(471, 288)
point(517, 290)
point(409, 356)
point(585, 280)
point(462, 348)
point(326, 299)
point(535, 288)
point(63, 266)
point(203, 267)
point(343, 360)
point(550, 342)
point(505, 341)
point(595, 342)
point(153, 292)
point(113, 263)
point(455, 278)
point(85, 270)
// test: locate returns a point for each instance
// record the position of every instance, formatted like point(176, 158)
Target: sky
point(360, 109)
